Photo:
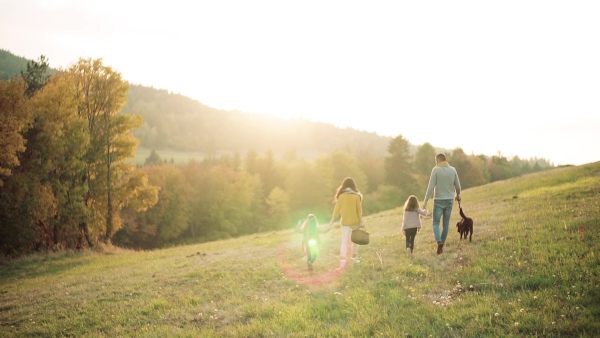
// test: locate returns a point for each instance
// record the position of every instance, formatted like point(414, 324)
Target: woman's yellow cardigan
point(349, 206)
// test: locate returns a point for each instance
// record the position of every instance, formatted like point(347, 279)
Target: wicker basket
point(360, 236)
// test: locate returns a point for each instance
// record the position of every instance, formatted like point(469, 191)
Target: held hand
point(425, 205)
point(457, 198)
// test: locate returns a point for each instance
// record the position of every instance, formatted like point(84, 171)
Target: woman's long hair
point(348, 182)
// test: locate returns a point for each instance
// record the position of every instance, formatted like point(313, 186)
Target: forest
point(67, 182)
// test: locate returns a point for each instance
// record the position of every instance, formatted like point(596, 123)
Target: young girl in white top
point(411, 222)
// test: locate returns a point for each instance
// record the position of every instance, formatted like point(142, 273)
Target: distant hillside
point(178, 123)
point(11, 65)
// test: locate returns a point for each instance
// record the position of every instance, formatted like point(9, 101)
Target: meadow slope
point(531, 270)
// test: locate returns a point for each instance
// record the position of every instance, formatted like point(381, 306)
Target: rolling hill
point(531, 270)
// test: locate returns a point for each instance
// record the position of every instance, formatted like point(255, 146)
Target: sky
point(515, 78)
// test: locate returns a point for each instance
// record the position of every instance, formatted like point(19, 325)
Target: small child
point(310, 238)
point(411, 222)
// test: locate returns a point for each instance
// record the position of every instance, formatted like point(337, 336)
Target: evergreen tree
point(36, 76)
point(153, 158)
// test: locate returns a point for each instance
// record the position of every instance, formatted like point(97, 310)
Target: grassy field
point(532, 270)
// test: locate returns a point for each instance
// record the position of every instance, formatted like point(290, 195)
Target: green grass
point(532, 270)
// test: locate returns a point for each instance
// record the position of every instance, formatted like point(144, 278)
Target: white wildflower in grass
point(516, 324)
point(522, 310)
point(534, 297)
point(496, 314)
point(553, 323)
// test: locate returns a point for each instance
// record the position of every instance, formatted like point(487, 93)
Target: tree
point(57, 143)
point(269, 173)
point(423, 163)
point(309, 191)
point(15, 117)
point(398, 167)
point(386, 197)
point(153, 158)
point(335, 167)
point(163, 221)
point(223, 202)
point(101, 93)
point(460, 161)
point(36, 75)
point(278, 209)
point(424, 159)
point(373, 166)
point(499, 168)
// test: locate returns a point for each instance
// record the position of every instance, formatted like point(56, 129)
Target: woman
point(348, 205)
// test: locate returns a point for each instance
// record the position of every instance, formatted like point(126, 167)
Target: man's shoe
point(439, 249)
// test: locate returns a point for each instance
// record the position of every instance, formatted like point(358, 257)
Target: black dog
point(465, 225)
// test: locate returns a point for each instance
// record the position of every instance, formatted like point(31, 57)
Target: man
point(443, 184)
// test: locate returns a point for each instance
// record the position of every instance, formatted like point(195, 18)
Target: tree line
point(65, 182)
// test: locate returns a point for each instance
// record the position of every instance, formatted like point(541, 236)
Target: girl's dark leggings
point(410, 238)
